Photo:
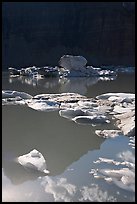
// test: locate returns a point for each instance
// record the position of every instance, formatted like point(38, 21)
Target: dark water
point(70, 149)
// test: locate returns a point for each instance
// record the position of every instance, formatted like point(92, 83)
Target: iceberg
point(93, 120)
point(43, 105)
point(14, 94)
point(33, 160)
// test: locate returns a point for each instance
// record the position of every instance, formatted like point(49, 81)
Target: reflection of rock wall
point(40, 33)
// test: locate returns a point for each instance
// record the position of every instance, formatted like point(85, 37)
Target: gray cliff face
point(39, 33)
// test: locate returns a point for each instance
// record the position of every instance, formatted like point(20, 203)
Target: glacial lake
point(71, 150)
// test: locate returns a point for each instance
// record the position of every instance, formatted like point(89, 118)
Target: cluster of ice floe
point(123, 176)
point(14, 97)
point(34, 71)
point(119, 171)
point(69, 66)
point(119, 69)
point(108, 133)
point(105, 108)
point(132, 142)
point(14, 94)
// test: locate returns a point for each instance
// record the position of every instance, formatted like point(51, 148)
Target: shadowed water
point(69, 149)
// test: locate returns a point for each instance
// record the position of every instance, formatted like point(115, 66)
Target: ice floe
point(72, 66)
point(93, 120)
point(43, 105)
point(132, 142)
point(123, 176)
point(33, 160)
point(69, 66)
point(71, 62)
point(118, 108)
point(14, 97)
point(71, 113)
point(122, 96)
point(108, 133)
point(14, 94)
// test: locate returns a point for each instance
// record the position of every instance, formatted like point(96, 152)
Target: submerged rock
point(33, 160)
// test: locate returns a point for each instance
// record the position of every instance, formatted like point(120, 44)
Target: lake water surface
point(69, 149)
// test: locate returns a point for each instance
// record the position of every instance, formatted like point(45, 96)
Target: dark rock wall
point(39, 33)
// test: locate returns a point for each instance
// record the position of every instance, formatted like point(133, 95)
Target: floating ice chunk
point(72, 62)
point(33, 160)
point(13, 94)
point(13, 101)
point(63, 97)
point(132, 142)
point(119, 109)
point(123, 177)
point(43, 105)
point(121, 95)
point(108, 133)
point(97, 119)
point(87, 104)
point(13, 71)
point(71, 113)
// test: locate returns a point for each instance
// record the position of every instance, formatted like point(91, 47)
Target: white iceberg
point(93, 120)
point(33, 160)
point(71, 113)
point(43, 105)
point(14, 94)
point(124, 96)
point(123, 175)
point(108, 133)
point(72, 62)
